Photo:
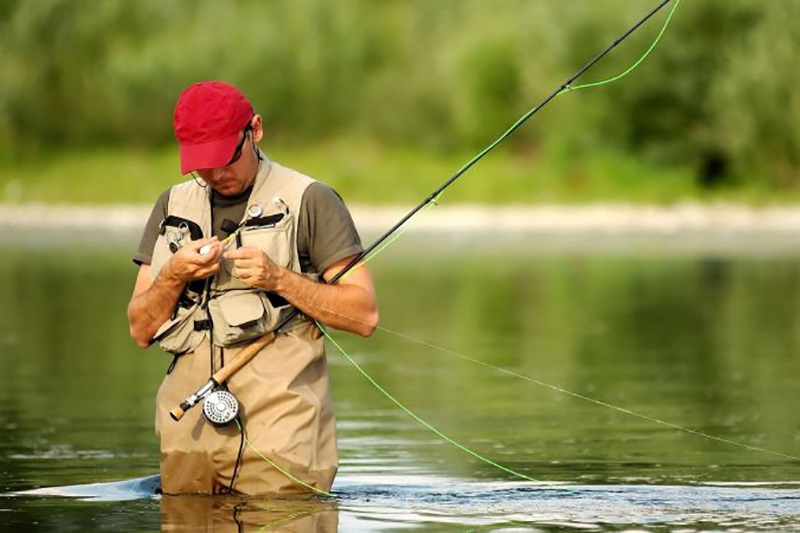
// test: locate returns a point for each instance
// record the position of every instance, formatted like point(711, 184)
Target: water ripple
point(374, 503)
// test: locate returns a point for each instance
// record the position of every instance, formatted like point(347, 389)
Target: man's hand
point(253, 267)
point(349, 305)
point(153, 301)
point(191, 263)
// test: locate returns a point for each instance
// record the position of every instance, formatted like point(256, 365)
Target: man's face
point(239, 174)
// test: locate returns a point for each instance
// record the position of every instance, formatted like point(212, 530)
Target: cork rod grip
point(242, 358)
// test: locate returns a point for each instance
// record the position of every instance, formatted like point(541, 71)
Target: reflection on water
point(230, 514)
point(708, 341)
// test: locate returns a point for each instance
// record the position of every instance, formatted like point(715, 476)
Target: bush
point(718, 93)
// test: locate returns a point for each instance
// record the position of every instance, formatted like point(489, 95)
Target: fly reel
point(221, 407)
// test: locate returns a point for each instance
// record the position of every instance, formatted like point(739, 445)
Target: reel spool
point(221, 407)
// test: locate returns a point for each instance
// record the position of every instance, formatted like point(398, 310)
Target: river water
point(645, 383)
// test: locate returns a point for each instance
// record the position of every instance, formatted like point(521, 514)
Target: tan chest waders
point(284, 394)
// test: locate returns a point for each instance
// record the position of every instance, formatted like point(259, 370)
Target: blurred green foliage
point(717, 96)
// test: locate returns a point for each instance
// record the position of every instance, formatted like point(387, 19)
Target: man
point(223, 259)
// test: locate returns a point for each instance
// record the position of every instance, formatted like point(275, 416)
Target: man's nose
point(218, 173)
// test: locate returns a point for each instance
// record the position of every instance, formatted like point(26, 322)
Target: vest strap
point(185, 301)
point(202, 325)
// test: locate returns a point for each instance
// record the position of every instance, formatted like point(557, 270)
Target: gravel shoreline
point(588, 219)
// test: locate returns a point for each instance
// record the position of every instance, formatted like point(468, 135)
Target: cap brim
point(212, 154)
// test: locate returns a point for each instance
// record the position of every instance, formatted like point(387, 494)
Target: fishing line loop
point(433, 200)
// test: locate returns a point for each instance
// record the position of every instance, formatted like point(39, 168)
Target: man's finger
point(240, 271)
point(243, 252)
point(199, 243)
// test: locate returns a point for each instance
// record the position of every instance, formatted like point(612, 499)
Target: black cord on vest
point(198, 181)
point(239, 455)
point(211, 357)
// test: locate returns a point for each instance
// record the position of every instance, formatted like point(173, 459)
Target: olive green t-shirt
point(325, 230)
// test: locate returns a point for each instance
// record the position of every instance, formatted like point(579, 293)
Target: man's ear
point(258, 129)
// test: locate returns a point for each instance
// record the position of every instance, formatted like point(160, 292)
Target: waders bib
point(284, 394)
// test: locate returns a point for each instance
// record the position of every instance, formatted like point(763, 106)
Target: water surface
point(680, 330)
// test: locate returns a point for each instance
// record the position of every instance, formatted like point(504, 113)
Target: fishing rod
point(223, 407)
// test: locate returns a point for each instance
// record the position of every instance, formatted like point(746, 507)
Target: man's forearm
point(344, 306)
point(148, 310)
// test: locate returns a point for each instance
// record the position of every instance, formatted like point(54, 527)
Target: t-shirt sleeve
point(144, 255)
point(326, 232)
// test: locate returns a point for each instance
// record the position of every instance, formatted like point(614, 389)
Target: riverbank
point(557, 219)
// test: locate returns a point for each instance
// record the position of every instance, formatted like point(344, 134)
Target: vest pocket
point(238, 316)
point(274, 241)
point(179, 335)
point(272, 234)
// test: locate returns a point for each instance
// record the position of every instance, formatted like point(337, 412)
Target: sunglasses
point(238, 152)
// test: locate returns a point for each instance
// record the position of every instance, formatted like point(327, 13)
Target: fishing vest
point(230, 310)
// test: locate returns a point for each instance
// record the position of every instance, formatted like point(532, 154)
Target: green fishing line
point(632, 67)
point(419, 419)
point(600, 403)
point(278, 468)
point(434, 201)
point(527, 115)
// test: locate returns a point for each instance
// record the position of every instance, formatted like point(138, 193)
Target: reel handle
point(221, 375)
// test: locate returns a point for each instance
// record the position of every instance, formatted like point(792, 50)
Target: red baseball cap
point(208, 121)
